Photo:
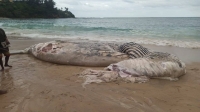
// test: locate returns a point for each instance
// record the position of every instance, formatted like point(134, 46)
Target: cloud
point(129, 1)
point(167, 3)
point(131, 8)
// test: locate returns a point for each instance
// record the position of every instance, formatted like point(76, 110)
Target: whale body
point(130, 61)
point(154, 65)
point(75, 52)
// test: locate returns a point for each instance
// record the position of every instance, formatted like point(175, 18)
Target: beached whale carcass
point(138, 70)
point(130, 61)
point(85, 53)
point(77, 52)
point(142, 65)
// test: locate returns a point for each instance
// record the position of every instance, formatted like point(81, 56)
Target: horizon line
point(141, 17)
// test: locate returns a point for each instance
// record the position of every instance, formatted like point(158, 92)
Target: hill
point(32, 9)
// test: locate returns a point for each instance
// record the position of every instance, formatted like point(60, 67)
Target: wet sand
point(37, 86)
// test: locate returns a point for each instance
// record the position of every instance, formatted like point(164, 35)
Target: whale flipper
point(25, 51)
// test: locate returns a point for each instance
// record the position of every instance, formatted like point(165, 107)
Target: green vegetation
point(32, 9)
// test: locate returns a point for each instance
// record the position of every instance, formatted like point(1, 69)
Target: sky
point(132, 8)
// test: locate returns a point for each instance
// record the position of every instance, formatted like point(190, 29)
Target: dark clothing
point(5, 50)
point(3, 41)
point(2, 35)
point(4, 44)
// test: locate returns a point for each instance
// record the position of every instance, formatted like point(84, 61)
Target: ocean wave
point(180, 32)
point(86, 28)
point(158, 42)
point(163, 42)
point(155, 41)
point(61, 27)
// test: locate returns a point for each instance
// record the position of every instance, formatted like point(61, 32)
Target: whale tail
point(25, 51)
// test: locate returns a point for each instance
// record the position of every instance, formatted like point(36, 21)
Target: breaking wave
point(180, 32)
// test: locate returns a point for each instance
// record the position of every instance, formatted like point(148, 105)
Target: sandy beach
point(37, 86)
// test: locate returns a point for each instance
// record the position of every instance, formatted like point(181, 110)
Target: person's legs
point(7, 56)
point(1, 61)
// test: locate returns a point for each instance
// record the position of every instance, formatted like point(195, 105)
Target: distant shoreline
point(96, 17)
point(4, 18)
point(34, 18)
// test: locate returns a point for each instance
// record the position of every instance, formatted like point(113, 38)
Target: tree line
point(32, 9)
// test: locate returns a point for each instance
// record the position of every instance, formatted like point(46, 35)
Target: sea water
point(165, 31)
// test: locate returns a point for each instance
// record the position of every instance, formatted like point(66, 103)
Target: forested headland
point(32, 9)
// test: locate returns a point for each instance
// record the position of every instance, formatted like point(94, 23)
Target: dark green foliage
point(32, 9)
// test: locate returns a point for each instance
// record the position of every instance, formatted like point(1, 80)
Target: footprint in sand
point(195, 69)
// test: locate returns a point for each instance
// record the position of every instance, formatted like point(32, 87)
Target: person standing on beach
point(4, 44)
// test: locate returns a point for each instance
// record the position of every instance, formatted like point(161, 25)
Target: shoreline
point(33, 84)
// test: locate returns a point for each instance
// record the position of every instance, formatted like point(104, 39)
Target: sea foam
point(156, 41)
